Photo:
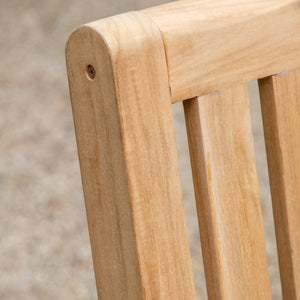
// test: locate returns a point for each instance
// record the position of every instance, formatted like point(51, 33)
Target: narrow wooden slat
point(225, 180)
point(280, 101)
point(128, 158)
point(214, 44)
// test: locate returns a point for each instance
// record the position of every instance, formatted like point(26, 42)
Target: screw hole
point(91, 72)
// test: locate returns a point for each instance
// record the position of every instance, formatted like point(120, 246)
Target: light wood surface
point(226, 189)
point(280, 100)
point(128, 158)
point(139, 64)
point(214, 44)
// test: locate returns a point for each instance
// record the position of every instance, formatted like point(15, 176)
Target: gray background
point(44, 244)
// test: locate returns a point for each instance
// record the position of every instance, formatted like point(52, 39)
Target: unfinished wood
point(280, 101)
point(128, 158)
point(213, 44)
point(227, 196)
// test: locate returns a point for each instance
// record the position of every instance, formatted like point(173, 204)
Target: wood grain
point(280, 101)
point(128, 158)
point(227, 196)
point(214, 44)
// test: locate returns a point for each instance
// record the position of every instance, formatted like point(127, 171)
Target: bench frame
point(141, 63)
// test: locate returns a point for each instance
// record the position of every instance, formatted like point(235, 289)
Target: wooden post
point(280, 101)
point(125, 134)
point(227, 196)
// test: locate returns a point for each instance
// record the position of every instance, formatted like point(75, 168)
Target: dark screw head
point(91, 72)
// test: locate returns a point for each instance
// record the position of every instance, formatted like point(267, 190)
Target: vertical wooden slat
point(225, 180)
point(280, 101)
point(126, 143)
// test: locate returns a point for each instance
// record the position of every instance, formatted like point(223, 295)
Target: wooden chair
point(124, 74)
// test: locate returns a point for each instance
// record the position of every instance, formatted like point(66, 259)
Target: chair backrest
point(124, 74)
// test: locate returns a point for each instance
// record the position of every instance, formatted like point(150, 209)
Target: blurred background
point(44, 244)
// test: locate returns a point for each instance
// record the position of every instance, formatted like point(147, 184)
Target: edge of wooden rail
point(227, 196)
point(281, 117)
point(215, 44)
point(128, 159)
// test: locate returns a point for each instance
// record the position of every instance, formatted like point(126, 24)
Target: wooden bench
point(124, 74)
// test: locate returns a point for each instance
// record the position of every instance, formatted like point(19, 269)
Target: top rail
point(214, 44)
